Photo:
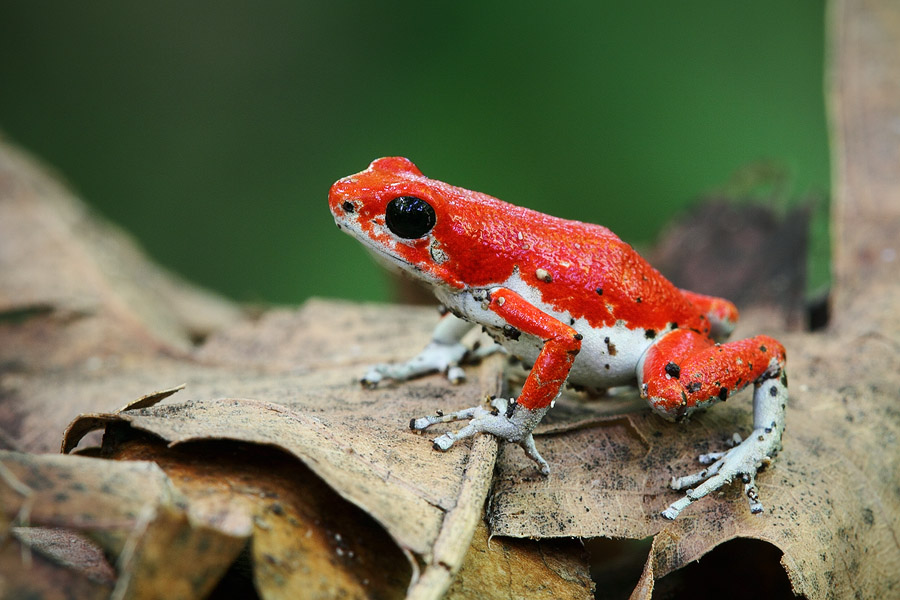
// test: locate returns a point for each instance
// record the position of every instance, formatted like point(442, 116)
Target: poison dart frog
point(569, 298)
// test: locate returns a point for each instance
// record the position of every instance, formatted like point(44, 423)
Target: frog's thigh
point(685, 371)
point(721, 314)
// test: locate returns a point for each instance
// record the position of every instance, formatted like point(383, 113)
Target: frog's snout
point(340, 203)
point(342, 211)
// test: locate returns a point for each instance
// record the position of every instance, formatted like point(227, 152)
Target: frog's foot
point(503, 418)
point(743, 461)
point(436, 356)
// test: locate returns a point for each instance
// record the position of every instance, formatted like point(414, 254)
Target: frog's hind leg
point(685, 371)
point(721, 314)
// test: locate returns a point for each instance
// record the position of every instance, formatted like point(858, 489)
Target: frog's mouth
point(382, 255)
point(398, 265)
point(386, 259)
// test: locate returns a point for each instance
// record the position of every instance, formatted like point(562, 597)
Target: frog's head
point(400, 215)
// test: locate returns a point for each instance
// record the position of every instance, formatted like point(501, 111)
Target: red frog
point(569, 298)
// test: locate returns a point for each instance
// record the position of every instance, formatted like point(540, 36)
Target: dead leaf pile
point(261, 467)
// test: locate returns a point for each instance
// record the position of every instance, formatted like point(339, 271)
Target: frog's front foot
point(743, 460)
point(503, 418)
point(435, 357)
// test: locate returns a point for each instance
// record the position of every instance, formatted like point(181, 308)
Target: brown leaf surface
point(81, 492)
point(499, 568)
point(68, 549)
point(826, 504)
point(42, 578)
point(354, 439)
point(82, 332)
point(305, 538)
point(81, 310)
point(130, 509)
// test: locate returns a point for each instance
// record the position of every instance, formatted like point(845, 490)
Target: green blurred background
point(212, 130)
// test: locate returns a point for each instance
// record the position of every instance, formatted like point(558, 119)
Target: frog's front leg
point(443, 353)
point(513, 420)
point(501, 417)
point(685, 371)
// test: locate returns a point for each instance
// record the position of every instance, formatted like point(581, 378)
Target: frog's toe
point(423, 423)
point(372, 377)
point(455, 374)
point(443, 442)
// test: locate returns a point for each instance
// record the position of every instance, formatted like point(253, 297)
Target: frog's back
point(579, 268)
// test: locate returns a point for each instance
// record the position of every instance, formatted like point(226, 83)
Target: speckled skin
point(570, 298)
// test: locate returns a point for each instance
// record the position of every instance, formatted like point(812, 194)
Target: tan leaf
point(68, 549)
point(307, 541)
point(496, 568)
point(81, 333)
point(132, 511)
point(386, 469)
point(29, 574)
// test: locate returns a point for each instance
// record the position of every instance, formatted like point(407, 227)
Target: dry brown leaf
point(355, 441)
point(68, 549)
point(174, 556)
point(78, 339)
point(501, 568)
point(132, 511)
point(85, 493)
point(40, 578)
point(80, 309)
point(306, 539)
point(389, 471)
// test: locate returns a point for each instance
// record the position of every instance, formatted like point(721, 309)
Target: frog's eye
point(409, 217)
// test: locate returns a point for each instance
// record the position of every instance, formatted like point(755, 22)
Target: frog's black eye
point(409, 217)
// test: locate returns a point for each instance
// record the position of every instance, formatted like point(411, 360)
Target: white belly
point(608, 357)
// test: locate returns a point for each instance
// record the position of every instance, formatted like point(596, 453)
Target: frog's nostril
point(348, 206)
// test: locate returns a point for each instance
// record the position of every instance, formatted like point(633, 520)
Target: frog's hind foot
point(743, 461)
point(683, 372)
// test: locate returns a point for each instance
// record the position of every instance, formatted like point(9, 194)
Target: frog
point(575, 304)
